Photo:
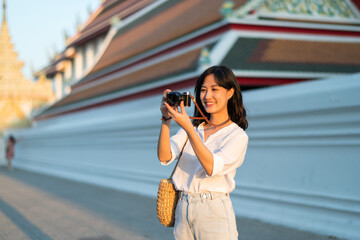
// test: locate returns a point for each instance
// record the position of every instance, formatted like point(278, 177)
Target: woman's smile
point(209, 104)
point(214, 97)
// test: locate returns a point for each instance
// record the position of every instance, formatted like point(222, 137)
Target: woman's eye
point(203, 90)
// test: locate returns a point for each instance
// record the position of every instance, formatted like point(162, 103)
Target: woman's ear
point(230, 93)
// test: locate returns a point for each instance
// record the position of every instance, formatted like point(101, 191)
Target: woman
point(211, 154)
point(10, 151)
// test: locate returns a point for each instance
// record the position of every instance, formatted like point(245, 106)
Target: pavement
point(35, 206)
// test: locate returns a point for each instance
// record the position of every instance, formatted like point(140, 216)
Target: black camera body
point(174, 98)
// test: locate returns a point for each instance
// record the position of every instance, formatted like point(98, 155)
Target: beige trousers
point(205, 216)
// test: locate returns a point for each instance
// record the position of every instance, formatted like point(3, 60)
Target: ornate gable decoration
point(320, 10)
point(340, 11)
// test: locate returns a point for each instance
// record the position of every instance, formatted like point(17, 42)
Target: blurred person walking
point(10, 151)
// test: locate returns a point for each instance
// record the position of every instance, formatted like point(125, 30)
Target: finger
point(166, 92)
point(182, 107)
point(170, 109)
point(164, 95)
point(176, 108)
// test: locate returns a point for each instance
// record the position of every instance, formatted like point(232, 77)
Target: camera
point(174, 98)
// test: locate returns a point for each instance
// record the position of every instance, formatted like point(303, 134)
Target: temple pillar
point(59, 85)
point(78, 64)
point(89, 54)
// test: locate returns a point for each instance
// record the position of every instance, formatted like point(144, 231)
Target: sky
point(37, 27)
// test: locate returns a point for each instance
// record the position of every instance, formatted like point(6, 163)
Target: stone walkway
point(35, 206)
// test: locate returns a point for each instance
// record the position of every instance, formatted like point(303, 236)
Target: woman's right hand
point(163, 108)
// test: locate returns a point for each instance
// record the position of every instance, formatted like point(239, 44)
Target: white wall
point(301, 168)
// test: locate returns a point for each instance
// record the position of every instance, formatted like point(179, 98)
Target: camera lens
point(173, 98)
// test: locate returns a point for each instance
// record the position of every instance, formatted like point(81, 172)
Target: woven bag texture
point(167, 199)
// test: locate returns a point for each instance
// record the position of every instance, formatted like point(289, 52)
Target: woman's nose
point(208, 95)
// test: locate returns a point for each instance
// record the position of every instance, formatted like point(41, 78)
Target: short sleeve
point(176, 144)
point(230, 155)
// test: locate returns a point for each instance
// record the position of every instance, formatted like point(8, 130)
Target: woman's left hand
point(181, 117)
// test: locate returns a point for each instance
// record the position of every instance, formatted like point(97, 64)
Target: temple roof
point(184, 63)
point(168, 21)
point(164, 45)
point(98, 24)
point(269, 55)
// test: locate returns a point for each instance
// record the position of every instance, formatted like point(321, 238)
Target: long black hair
point(225, 78)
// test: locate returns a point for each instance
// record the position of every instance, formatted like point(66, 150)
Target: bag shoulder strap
point(178, 158)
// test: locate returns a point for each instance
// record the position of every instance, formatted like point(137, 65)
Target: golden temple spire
point(18, 95)
point(4, 11)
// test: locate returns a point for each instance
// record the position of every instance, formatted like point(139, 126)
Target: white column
point(58, 85)
point(67, 72)
point(89, 51)
point(84, 62)
point(78, 64)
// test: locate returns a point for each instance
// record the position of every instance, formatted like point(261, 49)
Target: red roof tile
point(296, 51)
point(168, 22)
point(99, 23)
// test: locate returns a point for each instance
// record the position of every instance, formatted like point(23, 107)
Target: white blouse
point(228, 146)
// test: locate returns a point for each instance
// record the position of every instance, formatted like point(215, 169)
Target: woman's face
point(214, 97)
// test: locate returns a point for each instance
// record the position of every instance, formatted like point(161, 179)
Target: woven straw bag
point(167, 199)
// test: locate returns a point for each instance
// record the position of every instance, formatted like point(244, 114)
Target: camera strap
point(204, 117)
